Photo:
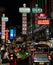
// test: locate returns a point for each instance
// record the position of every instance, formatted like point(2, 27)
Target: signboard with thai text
point(41, 22)
point(24, 10)
point(42, 16)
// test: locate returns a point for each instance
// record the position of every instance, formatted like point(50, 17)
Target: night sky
point(12, 11)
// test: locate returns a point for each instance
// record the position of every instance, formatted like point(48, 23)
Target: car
point(40, 56)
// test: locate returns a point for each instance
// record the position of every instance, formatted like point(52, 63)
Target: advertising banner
point(12, 34)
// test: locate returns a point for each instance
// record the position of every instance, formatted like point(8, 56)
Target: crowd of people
point(15, 46)
point(10, 47)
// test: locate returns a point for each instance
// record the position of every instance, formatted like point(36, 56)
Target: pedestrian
point(5, 58)
point(2, 51)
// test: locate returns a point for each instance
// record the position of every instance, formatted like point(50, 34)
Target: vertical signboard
point(24, 10)
point(4, 20)
point(7, 35)
point(12, 34)
point(0, 33)
point(3, 30)
point(36, 10)
point(24, 23)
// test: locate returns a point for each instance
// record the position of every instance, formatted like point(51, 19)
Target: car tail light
point(11, 54)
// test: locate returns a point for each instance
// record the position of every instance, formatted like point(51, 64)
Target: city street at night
point(26, 32)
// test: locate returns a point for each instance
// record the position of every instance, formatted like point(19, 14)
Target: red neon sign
point(40, 22)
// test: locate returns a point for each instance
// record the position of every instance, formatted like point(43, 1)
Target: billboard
point(24, 10)
point(12, 34)
point(42, 16)
point(41, 22)
point(24, 23)
point(3, 30)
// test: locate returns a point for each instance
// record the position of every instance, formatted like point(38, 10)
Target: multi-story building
point(46, 7)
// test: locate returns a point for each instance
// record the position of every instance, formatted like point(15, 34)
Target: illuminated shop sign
point(40, 22)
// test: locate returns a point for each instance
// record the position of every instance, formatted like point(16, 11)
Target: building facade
point(45, 5)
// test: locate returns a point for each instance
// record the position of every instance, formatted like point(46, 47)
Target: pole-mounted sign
point(24, 10)
point(4, 20)
point(36, 9)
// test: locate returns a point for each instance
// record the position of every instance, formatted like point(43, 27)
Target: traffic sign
point(24, 10)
